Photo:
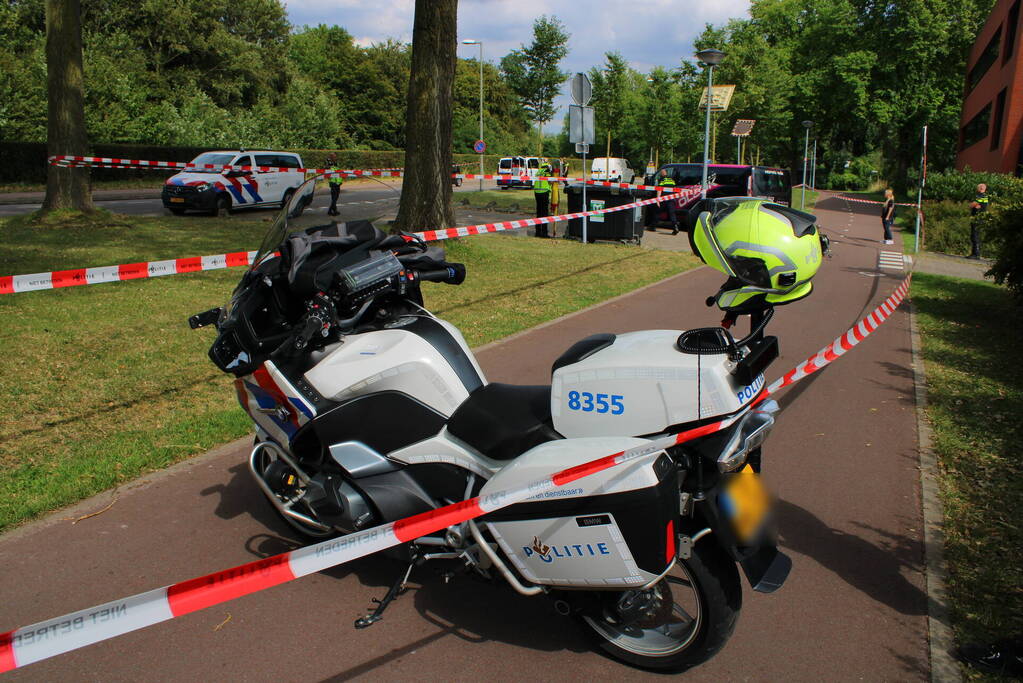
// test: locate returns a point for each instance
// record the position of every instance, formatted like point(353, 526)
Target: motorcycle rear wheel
point(706, 599)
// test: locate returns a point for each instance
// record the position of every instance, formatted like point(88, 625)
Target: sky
point(647, 34)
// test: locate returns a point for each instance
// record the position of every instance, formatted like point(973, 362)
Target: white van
point(511, 169)
point(619, 170)
point(221, 191)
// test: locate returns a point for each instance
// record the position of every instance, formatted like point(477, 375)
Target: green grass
point(501, 200)
point(810, 199)
point(971, 331)
point(103, 383)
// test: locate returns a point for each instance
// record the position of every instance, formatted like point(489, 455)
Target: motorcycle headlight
point(202, 188)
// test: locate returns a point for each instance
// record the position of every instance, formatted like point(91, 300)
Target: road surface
point(358, 200)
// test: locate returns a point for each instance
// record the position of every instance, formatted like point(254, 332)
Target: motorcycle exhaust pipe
point(284, 509)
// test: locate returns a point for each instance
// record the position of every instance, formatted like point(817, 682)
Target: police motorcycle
point(369, 409)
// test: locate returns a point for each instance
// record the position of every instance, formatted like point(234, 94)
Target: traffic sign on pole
point(581, 89)
point(479, 147)
point(580, 124)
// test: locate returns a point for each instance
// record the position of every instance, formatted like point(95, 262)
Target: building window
point(976, 130)
point(996, 125)
point(1010, 32)
point(988, 57)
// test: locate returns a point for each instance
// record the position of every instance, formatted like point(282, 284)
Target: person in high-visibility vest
point(335, 182)
point(667, 181)
point(977, 208)
point(542, 193)
point(556, 195)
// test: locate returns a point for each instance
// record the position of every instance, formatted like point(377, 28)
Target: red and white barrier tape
point(55, 636)
point(837, 348)
point(862, 201)
point(14, 284)
point(448, 233)
point(111, 162)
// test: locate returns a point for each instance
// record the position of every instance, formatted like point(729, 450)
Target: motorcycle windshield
point(282, 226)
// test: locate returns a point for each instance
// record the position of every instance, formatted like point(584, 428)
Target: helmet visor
point(751, 271)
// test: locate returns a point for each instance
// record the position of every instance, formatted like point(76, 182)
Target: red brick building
point(991, 125)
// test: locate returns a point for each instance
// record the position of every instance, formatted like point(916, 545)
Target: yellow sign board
point(720, 99)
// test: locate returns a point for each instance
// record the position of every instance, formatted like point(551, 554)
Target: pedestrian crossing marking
point(891, 259)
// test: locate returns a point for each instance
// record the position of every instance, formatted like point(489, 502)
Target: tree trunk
point(426, 190)
point(66, 188)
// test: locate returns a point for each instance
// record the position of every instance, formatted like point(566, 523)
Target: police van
point(219, 192)
point(510, 171)
point(731, 180)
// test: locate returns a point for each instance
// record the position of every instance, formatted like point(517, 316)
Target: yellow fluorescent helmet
point(770, 252)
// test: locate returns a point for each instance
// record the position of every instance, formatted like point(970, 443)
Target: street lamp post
point(710, 58)
point(480, 43)
point(813, 166)
point(806, 148)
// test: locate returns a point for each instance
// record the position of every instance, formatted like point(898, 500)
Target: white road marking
point(891, 259)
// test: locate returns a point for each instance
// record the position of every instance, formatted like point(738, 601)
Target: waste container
point(617, 226)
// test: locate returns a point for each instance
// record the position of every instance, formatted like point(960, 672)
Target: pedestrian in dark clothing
point(667, 181)
point(334, 182)
point(888, 215)
point(542, 194)
point(977, 207)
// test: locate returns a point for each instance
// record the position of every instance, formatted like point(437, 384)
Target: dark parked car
point(732, 180)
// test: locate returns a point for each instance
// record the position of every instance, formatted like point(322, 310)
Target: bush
point(847, 181)
point(857, 173)
point(961, 186)
point(947, 226)
point(1003, 234)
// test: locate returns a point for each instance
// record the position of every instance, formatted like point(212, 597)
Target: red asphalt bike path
point(842, 459)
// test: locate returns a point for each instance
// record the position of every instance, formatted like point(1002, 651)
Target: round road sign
point(479, 147)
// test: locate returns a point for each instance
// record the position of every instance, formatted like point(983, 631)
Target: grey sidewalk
point(935, 263)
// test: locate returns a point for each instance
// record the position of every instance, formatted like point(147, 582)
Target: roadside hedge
point(947, 226)
point(961, 186)
point(1003, 238)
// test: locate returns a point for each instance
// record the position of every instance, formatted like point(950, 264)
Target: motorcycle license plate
point(177, 200)
point(746, 503)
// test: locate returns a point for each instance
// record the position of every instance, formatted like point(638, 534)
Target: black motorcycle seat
point(503, 421)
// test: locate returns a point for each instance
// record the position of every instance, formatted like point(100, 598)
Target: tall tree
point(426, 191)
point(66, 188)
point(609, 85)
point(533, 72)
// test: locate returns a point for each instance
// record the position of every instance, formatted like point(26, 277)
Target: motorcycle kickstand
point(394, 591)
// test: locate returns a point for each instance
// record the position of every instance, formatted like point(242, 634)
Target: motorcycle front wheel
point(688, 616)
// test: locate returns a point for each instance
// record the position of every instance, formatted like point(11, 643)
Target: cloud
point(647, 34)
point(653, 32)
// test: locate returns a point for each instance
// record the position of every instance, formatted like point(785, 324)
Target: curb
point(941, 641)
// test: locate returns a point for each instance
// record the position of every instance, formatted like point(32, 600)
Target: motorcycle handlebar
point(453, 274)
point(314, 322)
